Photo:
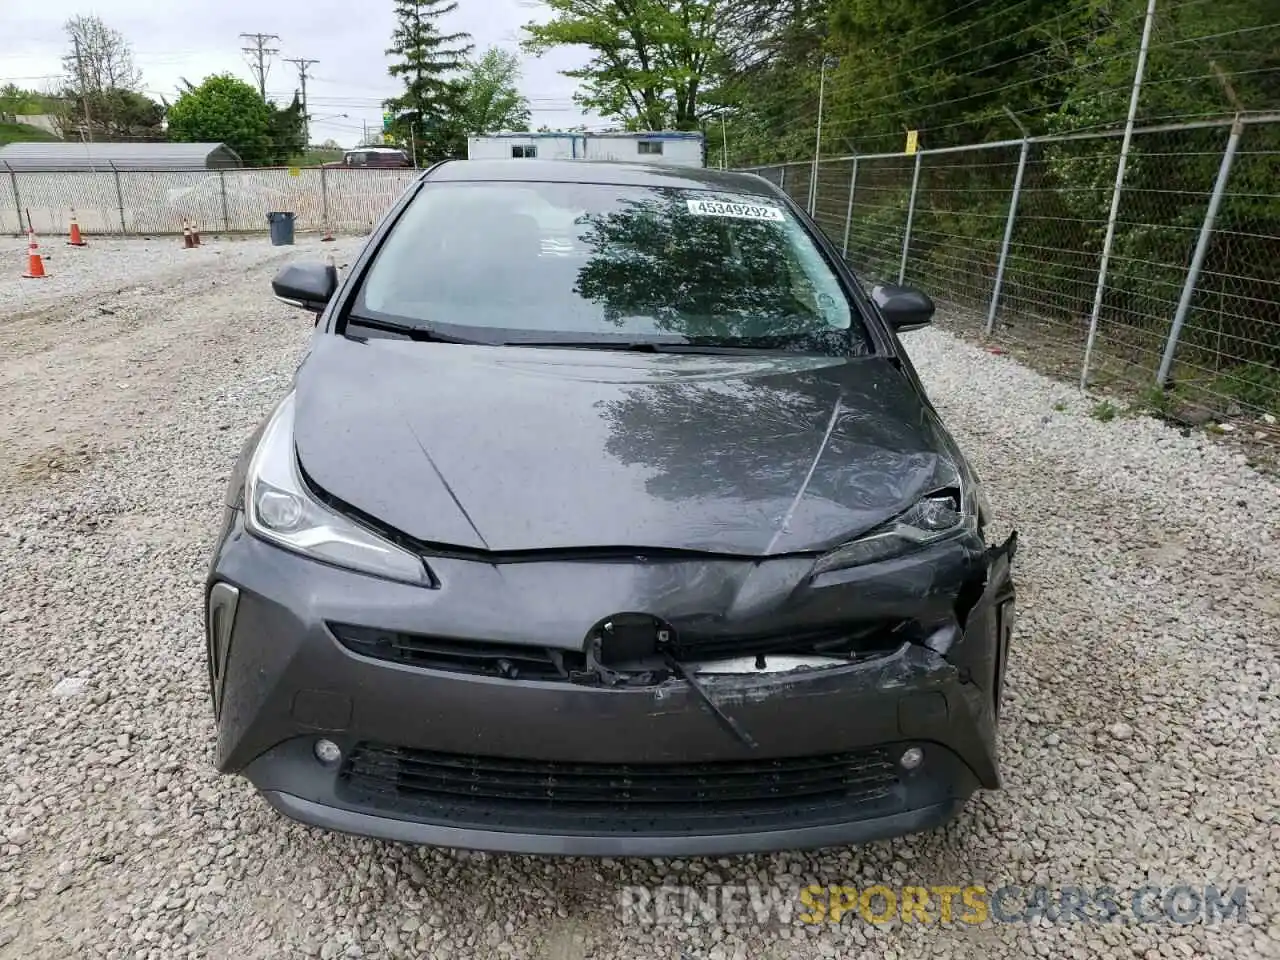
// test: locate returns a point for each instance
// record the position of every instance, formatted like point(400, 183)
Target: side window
point(524, 152)
point(650, 148)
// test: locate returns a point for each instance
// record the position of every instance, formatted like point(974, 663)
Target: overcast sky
point(194, 38)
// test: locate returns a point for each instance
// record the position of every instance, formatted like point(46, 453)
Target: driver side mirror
point(307, 285)
point(903, 308)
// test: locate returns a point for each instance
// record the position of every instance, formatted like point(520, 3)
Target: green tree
point(22, 102)
point(116, 114)
point(223, 109)
point(651, 60)
point(491, 98)
point(428, 62)
point(288, 131)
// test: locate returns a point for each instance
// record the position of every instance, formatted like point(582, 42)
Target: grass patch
point(1158, 400)
point(1255, 385)
point(24, 133)
point(1104, 411)
point(1060, 406)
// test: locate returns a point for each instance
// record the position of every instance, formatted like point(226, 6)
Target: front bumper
point(383, 827)
point(531, 766)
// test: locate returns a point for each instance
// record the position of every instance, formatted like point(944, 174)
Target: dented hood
point(515, 449)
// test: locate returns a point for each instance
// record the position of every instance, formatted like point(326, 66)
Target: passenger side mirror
point(903, 308)
point(307, 285)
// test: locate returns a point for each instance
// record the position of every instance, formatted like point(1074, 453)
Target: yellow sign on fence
point(295, 172)
point(913, 141)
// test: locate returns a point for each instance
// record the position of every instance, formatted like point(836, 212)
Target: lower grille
point(633, 797)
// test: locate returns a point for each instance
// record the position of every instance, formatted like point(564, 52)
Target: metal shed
point(77, 157)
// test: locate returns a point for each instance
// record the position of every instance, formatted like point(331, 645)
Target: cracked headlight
point(279, 509)
point(938, 516)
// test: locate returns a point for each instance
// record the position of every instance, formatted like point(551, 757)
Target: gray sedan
point(606, 516)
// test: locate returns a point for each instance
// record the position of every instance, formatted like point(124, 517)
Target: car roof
point(601, 171)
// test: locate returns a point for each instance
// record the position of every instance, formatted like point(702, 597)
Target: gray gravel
point(1144, 699)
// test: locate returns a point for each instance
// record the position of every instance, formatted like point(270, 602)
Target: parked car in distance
point(373, 157)
point(606, 515)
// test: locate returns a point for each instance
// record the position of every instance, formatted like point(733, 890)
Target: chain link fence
point(133, 202)
point(1009, 238)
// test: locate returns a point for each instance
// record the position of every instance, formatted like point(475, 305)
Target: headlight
point(279, 509)
point(938, 516)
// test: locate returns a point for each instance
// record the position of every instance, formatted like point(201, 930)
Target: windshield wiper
point(412, 331)
point(639, 346)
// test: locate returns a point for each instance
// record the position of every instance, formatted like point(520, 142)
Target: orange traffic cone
point(187, 241)
point(35, 265)
point(75, 240)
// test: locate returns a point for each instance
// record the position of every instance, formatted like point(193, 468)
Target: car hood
point(518, 448)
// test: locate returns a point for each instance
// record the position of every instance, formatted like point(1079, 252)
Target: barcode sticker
point(741, 211)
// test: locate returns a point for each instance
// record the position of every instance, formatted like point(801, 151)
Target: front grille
point(516, 661)
point(850, 639)
point(534, 794)
point(457, 656)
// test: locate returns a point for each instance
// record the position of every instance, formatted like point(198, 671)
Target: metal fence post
point(1116, 192)
point(1202, 249)
point(848, 213)
point(911, 215)
point(119, 198)
point(226, 214)
point(324, 199)
point(1008, 237)
point(782, 178)
point(17, 200)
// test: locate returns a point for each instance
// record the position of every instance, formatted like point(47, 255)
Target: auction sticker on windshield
point(742, 211)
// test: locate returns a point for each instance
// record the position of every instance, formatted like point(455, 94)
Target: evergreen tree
point(429, 61)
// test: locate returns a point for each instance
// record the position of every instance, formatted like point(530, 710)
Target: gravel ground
point(1140, 744)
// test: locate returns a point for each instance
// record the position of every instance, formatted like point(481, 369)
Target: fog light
point(328, 752)
point(911, 758)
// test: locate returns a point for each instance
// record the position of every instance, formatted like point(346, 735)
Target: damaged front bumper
point(456, 729)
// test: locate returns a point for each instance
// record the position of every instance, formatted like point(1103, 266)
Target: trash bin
point(281, 228)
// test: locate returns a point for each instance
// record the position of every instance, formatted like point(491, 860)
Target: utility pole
point(1116, 191)
point(261, 54)
point(302, 65)
point(827, 61)
point(84, 93)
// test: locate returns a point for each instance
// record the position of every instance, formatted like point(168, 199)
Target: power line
point(261, 54)
point(302, 65)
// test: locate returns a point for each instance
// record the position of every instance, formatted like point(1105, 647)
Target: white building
point(669, 148)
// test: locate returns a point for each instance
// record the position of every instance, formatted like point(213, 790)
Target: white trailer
point(667, 148)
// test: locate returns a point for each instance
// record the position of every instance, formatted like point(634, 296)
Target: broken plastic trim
point(634, 660)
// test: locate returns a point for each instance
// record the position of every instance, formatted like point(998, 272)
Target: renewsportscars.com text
point(970, 904)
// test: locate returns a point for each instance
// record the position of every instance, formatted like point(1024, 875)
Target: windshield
point(548, 262)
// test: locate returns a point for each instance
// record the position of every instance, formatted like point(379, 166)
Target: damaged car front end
point(548, 600)
point(711, 705)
